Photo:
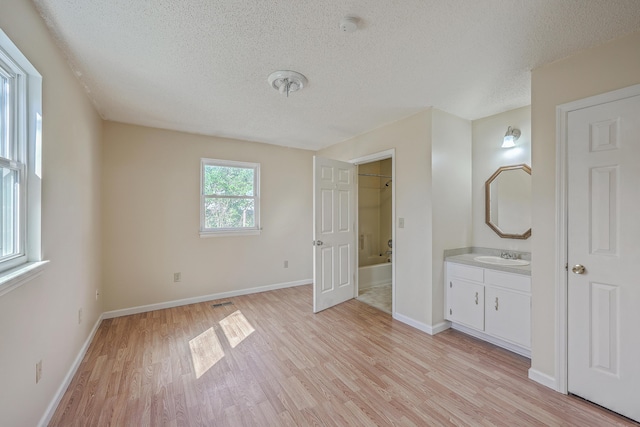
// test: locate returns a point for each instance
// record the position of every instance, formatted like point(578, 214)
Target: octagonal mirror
point(508, 202)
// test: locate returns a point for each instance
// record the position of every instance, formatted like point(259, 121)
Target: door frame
point(562, 242)
point(381, 155)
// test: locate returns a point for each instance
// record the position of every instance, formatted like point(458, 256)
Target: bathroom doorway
point(375, 233)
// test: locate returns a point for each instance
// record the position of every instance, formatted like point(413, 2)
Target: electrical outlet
point(286, 264)
point(79, 316)
point(400, 222)
point(38, 371)
point(177, 277)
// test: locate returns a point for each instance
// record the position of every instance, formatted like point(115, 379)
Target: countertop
point(468, 259)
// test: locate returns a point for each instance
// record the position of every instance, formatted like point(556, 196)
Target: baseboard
point(51, 409)
point(195, 300)
point(544, 379)
point(429, 329)
point(518, 349)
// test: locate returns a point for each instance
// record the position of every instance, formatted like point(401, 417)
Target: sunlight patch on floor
point(236, 327)
point(206, 351)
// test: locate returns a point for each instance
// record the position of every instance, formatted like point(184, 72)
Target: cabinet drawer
point(517, 282)
point(467, 272)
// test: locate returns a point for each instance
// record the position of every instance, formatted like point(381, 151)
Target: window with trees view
point(230, 197)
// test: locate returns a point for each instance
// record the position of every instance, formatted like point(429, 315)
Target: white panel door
point(604, 255)
point(334, 233)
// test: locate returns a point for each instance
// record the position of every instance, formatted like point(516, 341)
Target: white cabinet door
point(466, 303)
point(508, 315)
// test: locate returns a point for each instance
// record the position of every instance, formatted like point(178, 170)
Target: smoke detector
point(349, 24)
point(286, 81)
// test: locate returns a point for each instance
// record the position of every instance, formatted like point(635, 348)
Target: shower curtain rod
point(375, 174)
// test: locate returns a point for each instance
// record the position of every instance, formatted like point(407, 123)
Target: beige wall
point(418, 254)
point(151, 196)
point(602, 69)
point(411, 138)
point(39, 320)
point(451, 192)
point(488, 156)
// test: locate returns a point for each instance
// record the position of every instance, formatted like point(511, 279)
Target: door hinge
point(566, 266)
point(450, 312)
point(450, 285)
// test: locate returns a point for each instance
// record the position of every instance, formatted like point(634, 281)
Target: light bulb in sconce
point(510, 137)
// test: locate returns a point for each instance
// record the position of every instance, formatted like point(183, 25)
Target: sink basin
point(496, 260)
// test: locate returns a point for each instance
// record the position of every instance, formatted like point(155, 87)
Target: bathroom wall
point(488, 156)
point(386, 219)
point(374, 212)
point(368, 214)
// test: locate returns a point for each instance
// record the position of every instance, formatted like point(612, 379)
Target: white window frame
point(239, 231)
point(27, 134)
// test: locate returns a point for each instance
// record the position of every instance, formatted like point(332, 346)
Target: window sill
point(16, 277)
point(226, 233)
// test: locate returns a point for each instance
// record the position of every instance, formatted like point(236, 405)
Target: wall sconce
point(510, 137)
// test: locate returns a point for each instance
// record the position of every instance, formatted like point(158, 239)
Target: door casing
point(562, 243)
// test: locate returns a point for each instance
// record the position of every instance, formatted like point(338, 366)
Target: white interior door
point(334, 234)
point(604, 255)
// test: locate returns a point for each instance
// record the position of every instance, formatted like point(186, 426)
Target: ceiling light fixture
point(510, 137)
point(287, 81)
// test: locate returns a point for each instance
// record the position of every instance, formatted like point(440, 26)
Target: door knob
point(318, 243)
point(578, 269)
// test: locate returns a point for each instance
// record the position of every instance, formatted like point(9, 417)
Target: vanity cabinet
point(490, 304)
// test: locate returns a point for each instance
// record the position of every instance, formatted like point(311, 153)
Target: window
point(20, 167)
point(230, 197)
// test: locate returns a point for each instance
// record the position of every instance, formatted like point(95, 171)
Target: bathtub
point(374, 275)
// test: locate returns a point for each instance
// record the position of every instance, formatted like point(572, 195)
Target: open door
point(334, 234)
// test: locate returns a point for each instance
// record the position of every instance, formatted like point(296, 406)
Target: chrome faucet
point(509, 255)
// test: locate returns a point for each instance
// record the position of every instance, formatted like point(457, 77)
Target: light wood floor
point(267, 360)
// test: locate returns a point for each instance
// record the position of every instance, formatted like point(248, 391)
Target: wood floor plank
point(267, 360)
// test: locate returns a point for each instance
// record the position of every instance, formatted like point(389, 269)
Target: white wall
point(39, 320)
point(151, 197)
point(488, 156)
point(611, 66)
point(418, 246)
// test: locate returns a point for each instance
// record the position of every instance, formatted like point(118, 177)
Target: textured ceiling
point(201, 66)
